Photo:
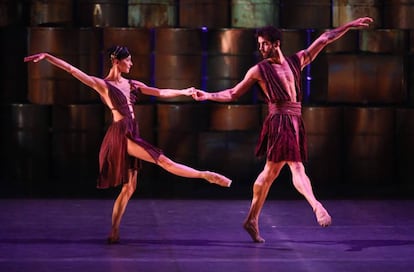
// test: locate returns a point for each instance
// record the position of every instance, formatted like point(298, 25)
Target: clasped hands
point(197, 94)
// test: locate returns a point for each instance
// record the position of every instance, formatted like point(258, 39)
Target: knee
point(297, 169)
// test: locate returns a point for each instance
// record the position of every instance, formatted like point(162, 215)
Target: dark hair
point(270, 33)
point(118, 52)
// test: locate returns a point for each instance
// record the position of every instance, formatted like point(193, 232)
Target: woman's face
point(124, 65)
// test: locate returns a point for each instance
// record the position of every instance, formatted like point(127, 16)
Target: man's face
point(266, 48)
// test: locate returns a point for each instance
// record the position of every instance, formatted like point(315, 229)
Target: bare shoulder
point(137, 83)
point(253, 72)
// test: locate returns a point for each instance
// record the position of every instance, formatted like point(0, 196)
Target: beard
point(268, 54)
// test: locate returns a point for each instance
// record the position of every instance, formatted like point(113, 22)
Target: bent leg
point(177, 168)
point(303, 185)
point(260, 191)
point(120, 206)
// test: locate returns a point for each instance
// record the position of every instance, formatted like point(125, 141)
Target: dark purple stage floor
point(203, 235)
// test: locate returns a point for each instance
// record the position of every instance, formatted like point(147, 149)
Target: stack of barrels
point(358, 93)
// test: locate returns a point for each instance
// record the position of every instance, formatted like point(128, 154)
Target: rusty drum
point(51, 13)
point(344, 11)
point(178, 60)
point(369, 145)
point(304, 14)
point(254, 13)
point(324, 130)
point(152, 13)
point(398, 14)
point(77, 133)
point(101, 13)
point(25, 145)
point(204, 13)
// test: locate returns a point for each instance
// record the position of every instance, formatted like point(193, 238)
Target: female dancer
point(122, 148)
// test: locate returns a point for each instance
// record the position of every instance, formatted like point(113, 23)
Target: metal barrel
point(25, 147)
point(76, 138)
point(152, 13)
point(204, 13)
point(178, 65)
point(228, 144)
point(398, 14)
point(324, 131)
point(304, 14)
point(230, 117)
point(13, 80)
point(390, 41)
point(404, 132)
point(48, 84)
point(254, 13)
point(370, 79)
point(101, 13)
point(51, 13)
point(178, 127)
point(410, 69)
point(230, 54)
point(344, 11)
point(348, 43)
point(12, 13)
point(369, 145)
point(231, 153)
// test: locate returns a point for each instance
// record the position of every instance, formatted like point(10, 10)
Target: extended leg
point(260, 190)
point(177, 168)
point(303, 185)
point(120, 205)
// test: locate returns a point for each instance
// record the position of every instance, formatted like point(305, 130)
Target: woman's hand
point(188, 91)
point(35, 58)
point(200, 95)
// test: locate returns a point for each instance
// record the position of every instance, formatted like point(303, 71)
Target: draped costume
point(114, 160)
point(279, 140)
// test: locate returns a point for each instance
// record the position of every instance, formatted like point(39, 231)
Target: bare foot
point(216, 179)
point(113, 238)
point(253, 230)
point(322, 215)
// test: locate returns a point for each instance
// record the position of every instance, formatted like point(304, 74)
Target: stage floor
point(205, 235)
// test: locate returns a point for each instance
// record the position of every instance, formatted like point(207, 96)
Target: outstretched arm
point(93, 82)
point(166, 93)
point(230, 94)
point(309, 54)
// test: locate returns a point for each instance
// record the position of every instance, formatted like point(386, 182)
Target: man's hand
point(361, 22)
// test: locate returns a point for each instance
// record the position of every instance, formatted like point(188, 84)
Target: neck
point(114, 75)
point(277, 57)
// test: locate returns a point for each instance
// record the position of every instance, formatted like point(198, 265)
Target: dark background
point(358, 94)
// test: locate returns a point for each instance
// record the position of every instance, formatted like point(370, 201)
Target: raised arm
point(309, 54)
point(91, 81)
point(231, 94)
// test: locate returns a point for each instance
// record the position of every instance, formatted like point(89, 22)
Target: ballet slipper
point(217, 179)
point(322, 215)
point(253, 230)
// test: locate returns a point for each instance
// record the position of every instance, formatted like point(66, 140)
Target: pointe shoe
point(253, 231)
point(217, 179)
point(322, 216)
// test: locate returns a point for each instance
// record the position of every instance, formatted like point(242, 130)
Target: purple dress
point(114, 160)
point(279, 140)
